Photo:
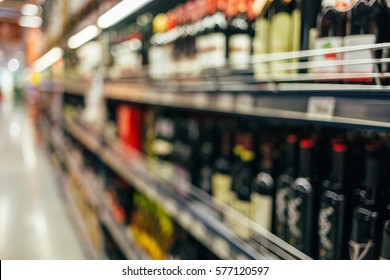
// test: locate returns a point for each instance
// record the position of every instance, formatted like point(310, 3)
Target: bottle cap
point(292, 138)
point(306, 143)
point(339, 148)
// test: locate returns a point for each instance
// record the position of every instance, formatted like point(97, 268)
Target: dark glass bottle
point(222, 175)
point(331, 29)
point(331, 226)
point(284, 182)
point(263, 189)
point(365, 217)
point(385, 246)
point(302, 206)
point(383, 24)
point(361, 30)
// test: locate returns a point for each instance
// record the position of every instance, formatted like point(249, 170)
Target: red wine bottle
point(332, 209)
point(284, 182)
point(365, 217)
point(302, 203)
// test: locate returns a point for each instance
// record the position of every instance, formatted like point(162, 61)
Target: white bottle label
point(356, 40)
point(202, 45)
point(221, 184)
point(216, 50)
point(261, 210)
point(260, 47)
point(240, 51)
point(327, 59)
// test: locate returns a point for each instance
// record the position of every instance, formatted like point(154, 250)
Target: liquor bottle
point(361, 30)
point(206, 155)
point(240, 39)
point(159, 57)
point(283, 184)
point(218, 47)
point(383, 34)
point(301, 209)
point(263, 190)
point(261, 39)
point(242, 186)
point(282, 14)
point(222, 175)
point(331, 226)
point(310, 11)
point(191, 66)
point(365, 216)
point(331, 25)
point(202, 25)
point(164, 130)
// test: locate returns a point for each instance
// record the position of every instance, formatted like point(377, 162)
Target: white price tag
point(245, 103)
point(221, 248)
point(321, 107)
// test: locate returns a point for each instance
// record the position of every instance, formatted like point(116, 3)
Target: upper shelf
point(353, 106)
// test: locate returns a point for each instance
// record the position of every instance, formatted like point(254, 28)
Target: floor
point(33, 220)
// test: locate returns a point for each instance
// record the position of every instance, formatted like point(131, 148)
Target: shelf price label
point(321, 107)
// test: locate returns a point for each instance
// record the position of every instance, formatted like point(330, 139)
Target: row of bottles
point(153, 229)
point(205, 34)
point(323, 194)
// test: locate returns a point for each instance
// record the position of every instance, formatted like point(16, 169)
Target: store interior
point(195, 129)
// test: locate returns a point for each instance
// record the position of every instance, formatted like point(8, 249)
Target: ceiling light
point(13, 65)
point(27, 21)
point(119, 12)
point(30, 10)
point(85, 35)
point(48, 59)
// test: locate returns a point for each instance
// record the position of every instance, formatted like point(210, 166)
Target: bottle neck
point(305, 162)
point(291, 157)
point(338, 167)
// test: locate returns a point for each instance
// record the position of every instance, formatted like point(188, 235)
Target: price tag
point(225, 101)
point(321, 107)
point(245, 103)
point(221, 248)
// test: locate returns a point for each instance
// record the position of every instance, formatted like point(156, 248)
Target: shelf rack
point(96, 198)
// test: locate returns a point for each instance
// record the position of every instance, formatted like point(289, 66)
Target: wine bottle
point(222, 175)
point(160, 59)
point(242, 185)
point(383, 24)
point(361, 30)
point(281, 34)
point(365, 217)
point(301, 209)
point(263, 190)
point(261, 39)
point(202, 26)
point(240, 40)
point(283, 184)
point(331, 28)
point(331, 216)
point(385, 247)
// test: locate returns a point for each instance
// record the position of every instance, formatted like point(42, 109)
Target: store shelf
point(96, 199)
point(175, 195)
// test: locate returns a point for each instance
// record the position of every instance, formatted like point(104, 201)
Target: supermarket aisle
point(33, 221)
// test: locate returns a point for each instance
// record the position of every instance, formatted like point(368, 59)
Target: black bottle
point(302, 213)
point(331, 224)
point(283, 186)
point(365, 217)
point(385, 246)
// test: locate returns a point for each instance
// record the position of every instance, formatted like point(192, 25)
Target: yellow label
point(261, 47)
point(295, 35)
point(221, 187)
point(241, 226)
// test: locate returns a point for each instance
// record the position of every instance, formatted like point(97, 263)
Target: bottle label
point(216, 52)
point(202, 45)
point(330, 59)
point(261, 210)
point(296, 36)
point(240, 51)
point(366, 68)
point(293, 220)
point(361, 251)
point(280, 41)
point(281, 211)
point(260, 47)
point(221, 184)
point(324, 229)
